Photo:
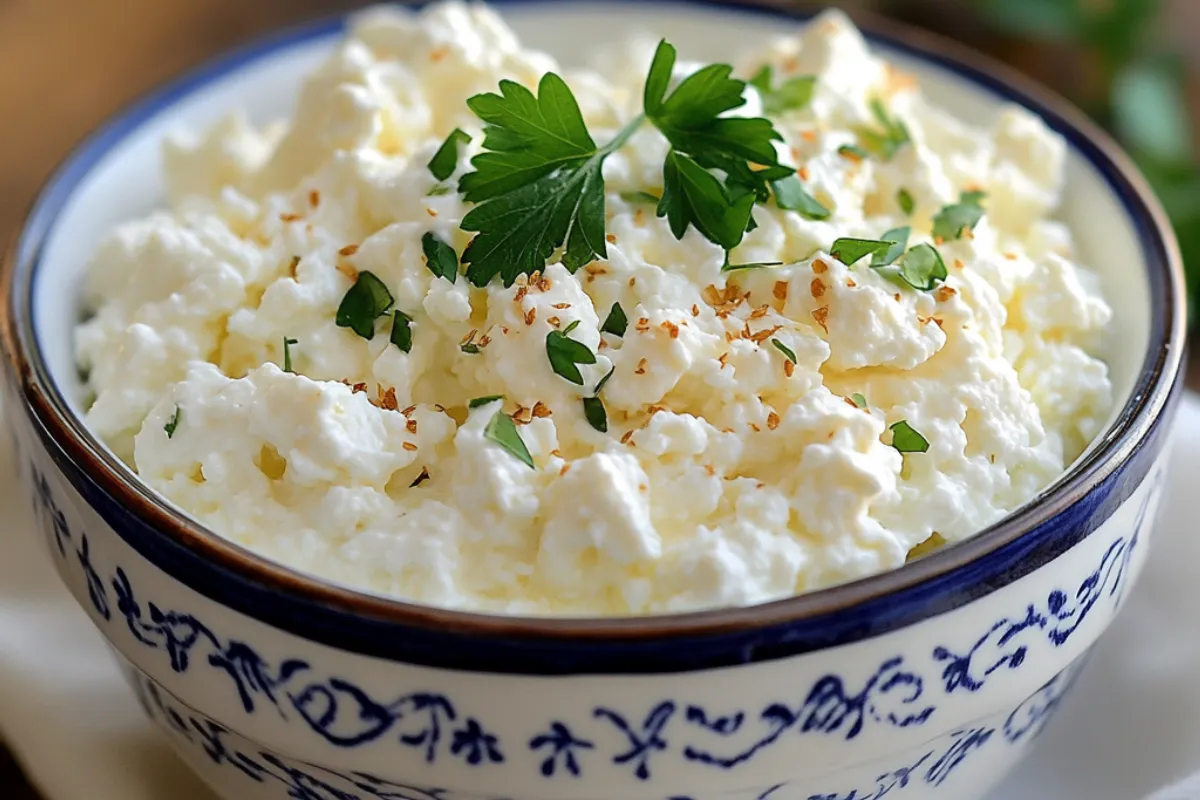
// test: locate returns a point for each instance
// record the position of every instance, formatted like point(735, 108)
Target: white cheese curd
point(750, 451)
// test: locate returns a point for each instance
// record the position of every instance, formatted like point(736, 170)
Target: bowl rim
point(1157, 378)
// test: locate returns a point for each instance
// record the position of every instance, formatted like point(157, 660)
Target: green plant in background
point(1141, 95)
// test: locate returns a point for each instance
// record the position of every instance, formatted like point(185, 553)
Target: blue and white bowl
point(927, 682)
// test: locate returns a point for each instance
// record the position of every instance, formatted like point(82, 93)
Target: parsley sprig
point(703, 140)
point(538, 184)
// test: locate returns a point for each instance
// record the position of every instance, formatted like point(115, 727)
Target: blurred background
point(1134, 65)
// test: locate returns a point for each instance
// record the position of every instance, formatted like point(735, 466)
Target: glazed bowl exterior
point(928, 682)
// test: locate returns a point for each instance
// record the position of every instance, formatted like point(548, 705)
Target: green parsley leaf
point(690, 118)
point(593, 407)
point(793, 95)
point(791, 195)
point(439, 257)
point(640, 197)
point(503, 431)
point(752, 265)
point(470, 348)
point(616, 322)
point(906, 202)
point(483, 401)
point(886, 141)
point(446, 158)
point(858, 400)
point(693, 196)
point(763, 79)
point(898, 239)
point(849, 251)
point(787, 351)
point(440, 190)
point(565, 353)
point(954, 219)
point(401, 331)
point(597, 417)
point(173, 423)
point(906, 439)
point(922, 267)
point(602, 381)
point(538, 185)
point(852, 152)
point(365, 301)
point(287, 353)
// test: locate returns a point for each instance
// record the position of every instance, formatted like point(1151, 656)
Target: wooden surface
point(65, 65)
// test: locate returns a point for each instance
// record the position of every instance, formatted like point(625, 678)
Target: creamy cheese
point(728, 475)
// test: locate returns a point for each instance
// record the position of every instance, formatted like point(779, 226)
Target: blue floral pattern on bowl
point(345, 715)
point(224, 749)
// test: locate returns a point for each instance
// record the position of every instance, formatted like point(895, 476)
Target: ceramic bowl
point(927, 682)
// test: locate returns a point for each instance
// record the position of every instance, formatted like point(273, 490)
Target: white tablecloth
point(1131, 727)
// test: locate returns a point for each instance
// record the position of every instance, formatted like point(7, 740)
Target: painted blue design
point(476, 745)
point(1028, 719)
point(563, 746)
point(95, 587)
point(965, 743)
point(44, 505)
point(341, 713)
point(643, 742)
point(943, 761)
point(1059, 617)
point(304, 783)
point(828, 708)
point(933, 768)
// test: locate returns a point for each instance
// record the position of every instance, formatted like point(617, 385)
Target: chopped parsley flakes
point(287, 353)
point(173, 423)
point(886, 140)
point(593, 407)
point(503, 431)
point(402, 331)
point(787, 351)
point(791, 95)
point(923, 268)
point(566, 353)
point(365, 301)
point(906, 439)
point(955, 219)
point(439, 257)
point(791, 195)
point(483, 401)
point(442, 165)
point(616, 322)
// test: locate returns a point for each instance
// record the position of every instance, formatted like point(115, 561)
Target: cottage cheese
point(727, 476)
